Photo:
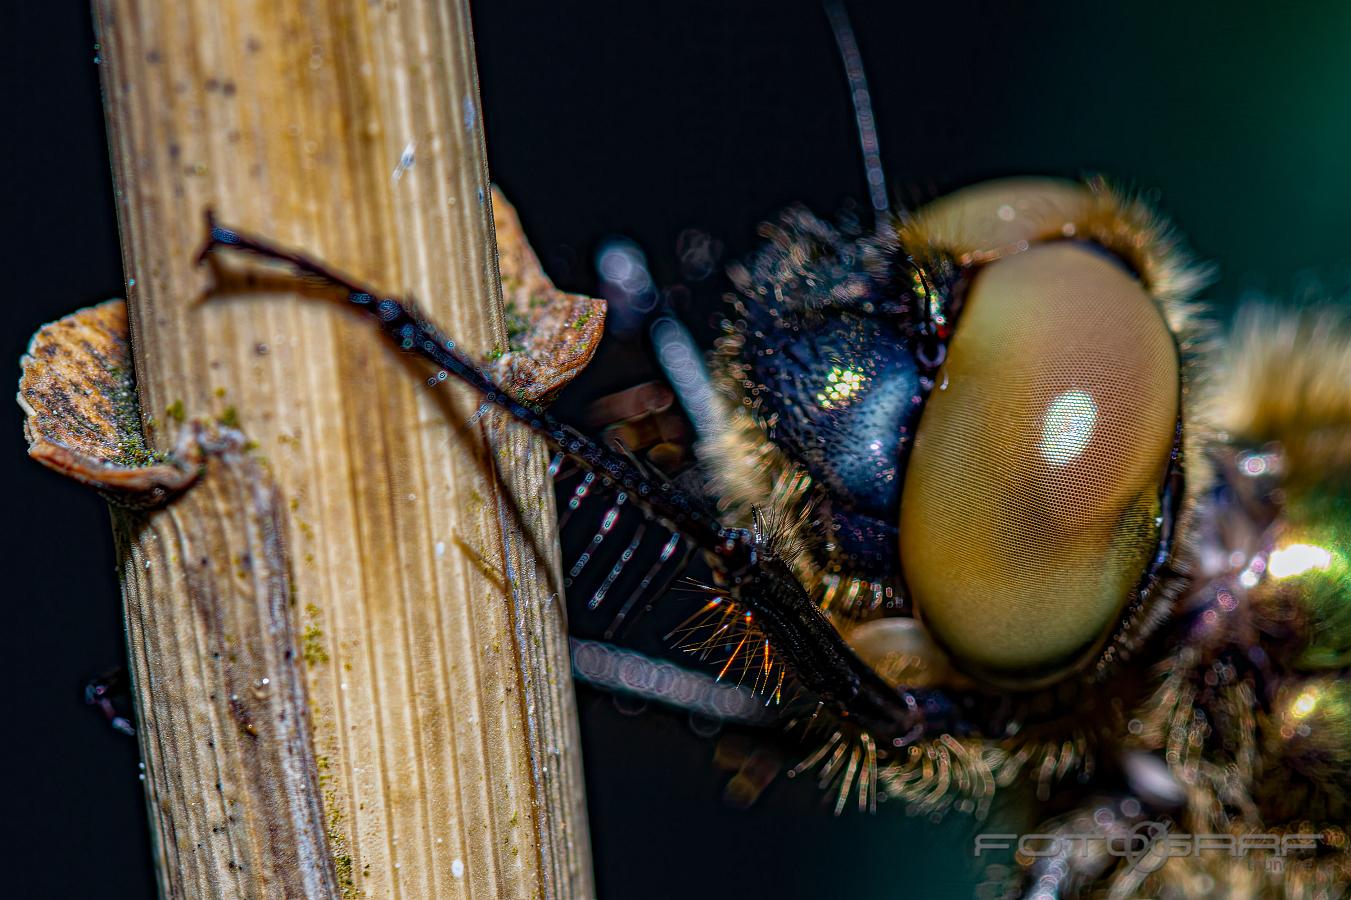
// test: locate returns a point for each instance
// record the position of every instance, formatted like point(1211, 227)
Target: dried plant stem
point(410, 554)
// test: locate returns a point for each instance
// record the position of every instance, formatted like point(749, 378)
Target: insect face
point(990, 406)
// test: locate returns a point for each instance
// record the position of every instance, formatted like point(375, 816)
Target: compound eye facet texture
point(1031, 504)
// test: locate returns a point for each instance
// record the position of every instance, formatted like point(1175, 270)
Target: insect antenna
point(863, 111)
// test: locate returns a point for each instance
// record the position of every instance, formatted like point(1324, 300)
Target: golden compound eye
point(1031, 504)
point(1003, 216)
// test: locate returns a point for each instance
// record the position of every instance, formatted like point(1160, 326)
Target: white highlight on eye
point(1067, 427)
point(1297, 559)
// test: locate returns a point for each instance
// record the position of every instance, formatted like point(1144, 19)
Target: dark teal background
point(648, 118)
point(643, 119)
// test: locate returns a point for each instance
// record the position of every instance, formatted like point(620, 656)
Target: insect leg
point(110, 694)
point(762, 582)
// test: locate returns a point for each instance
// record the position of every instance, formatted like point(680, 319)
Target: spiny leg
point(414, 334)
point(822, 662)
